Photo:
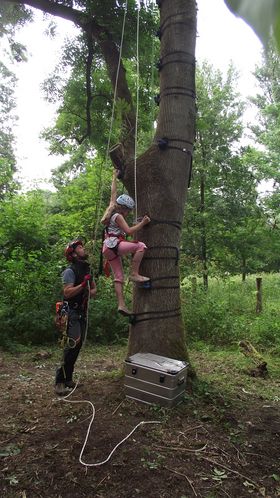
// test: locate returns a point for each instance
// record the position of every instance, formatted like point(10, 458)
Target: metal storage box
point(155, 379)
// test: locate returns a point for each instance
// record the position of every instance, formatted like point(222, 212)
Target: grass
point(228, 372)
point(222, 372)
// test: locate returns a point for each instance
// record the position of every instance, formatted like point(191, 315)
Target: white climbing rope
point(111, 124)
point(136, 114)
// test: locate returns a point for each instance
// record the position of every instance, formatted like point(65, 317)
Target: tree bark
point(162, 179)
point(244, 272)
point(259, 295)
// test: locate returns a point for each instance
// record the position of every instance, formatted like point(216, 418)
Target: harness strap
point(159, 315)
point(175, 248)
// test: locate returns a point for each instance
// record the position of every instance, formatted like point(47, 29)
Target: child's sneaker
point(138, 278)
point(124, 311)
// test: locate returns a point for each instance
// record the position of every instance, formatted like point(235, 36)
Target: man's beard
point(83, 258)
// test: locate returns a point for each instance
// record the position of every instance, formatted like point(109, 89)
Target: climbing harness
point(179, 90)
point(61, 321)
point(161, 64)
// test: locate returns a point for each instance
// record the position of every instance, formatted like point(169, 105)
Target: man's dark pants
point(76, 334)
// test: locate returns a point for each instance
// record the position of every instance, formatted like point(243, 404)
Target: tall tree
point(220, 180)
point(162, 171)
point(266, 132)
point(11, 51)
point(7, 119)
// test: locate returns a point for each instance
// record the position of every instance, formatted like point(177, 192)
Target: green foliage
point(226, 313)
point(12, 16)
point(28, 274)
point(34, 229)
point(223, 209)
point(263, 17)
point(106, 325)
point(68, 84)
point(266, 132)
point(7, 121)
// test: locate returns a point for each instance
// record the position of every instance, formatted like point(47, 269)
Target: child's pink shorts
point(124, 247)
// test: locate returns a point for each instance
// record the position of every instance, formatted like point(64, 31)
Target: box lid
point(156, 362)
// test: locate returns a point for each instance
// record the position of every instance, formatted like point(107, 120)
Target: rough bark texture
point(162, 181)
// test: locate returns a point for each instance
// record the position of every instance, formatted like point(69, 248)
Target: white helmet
point(126, 200)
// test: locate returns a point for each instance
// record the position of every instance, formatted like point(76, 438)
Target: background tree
point(223, 194)
point(7, 119)
point(12, 51)
point(266, 133)
point(268, 104)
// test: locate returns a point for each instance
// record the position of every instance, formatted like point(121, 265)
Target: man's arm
point(69, 290)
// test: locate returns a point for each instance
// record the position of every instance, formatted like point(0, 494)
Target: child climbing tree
point(158, 179)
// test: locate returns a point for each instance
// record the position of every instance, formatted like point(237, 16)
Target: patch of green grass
point(228, 372)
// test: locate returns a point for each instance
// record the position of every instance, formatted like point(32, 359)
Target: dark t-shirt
point(68, 277)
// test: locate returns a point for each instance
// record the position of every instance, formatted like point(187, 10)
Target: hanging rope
point(152, 77)
point(136, 114)
point(101, 183)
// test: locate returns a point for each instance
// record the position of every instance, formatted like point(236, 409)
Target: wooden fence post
point(259, 295)
point(194, 284)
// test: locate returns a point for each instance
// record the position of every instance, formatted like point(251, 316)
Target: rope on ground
point(66, 400)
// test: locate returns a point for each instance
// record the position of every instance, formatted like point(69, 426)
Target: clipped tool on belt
point(61, 321)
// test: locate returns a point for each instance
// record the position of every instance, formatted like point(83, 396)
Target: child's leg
point(117, 269)
point(137, 249)
point(135, 265)
point(119, 293)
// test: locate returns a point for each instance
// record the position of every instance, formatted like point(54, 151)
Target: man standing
point(78, 287)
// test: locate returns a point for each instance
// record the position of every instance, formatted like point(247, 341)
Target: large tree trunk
point(162, 181)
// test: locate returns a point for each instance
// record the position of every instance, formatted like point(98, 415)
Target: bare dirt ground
point(217, 443)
